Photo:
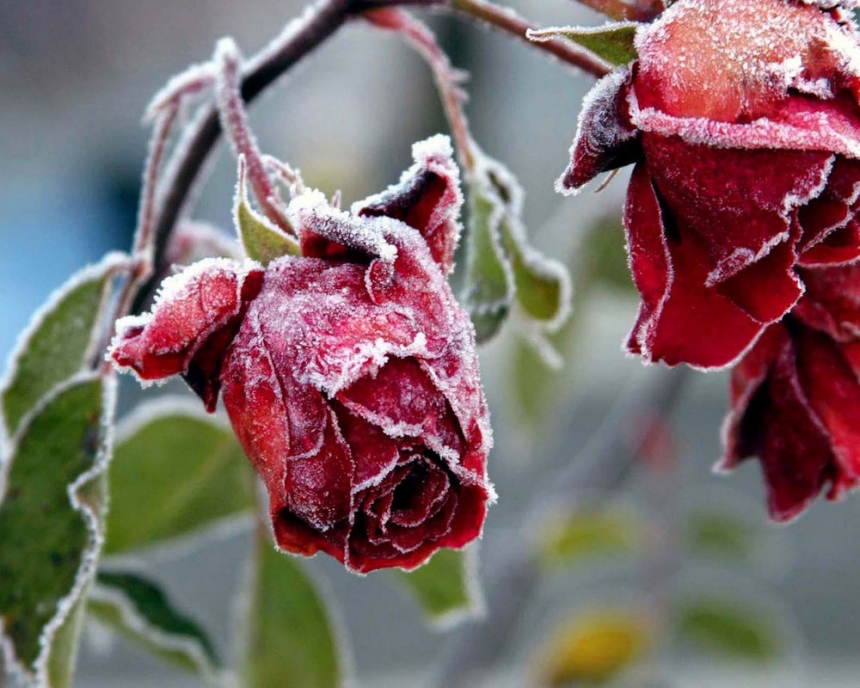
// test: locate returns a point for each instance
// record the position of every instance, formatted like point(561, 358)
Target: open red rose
point(742, 120)
point(795, 397)
point(349, 374)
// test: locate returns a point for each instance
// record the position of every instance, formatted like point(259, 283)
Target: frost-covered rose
point(795, 397)
point(742, 120)
point(349, 374)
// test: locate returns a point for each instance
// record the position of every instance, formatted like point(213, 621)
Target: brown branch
point(506, 20)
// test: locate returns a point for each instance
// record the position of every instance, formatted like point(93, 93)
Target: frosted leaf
point(62, 451)
point(448, 588)
point(137, 608)
point(59, 342)
point(612, 42)
point(210, 478)
point(501, 266)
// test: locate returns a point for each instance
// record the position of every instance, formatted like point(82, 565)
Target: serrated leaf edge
point(95, 529)
point(111, 262)
point(167, 641)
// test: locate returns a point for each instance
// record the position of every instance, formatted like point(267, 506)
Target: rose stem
point(312, 29)
point(419, 36)
point(639, 10)
point(234, 123)
point(508, 21)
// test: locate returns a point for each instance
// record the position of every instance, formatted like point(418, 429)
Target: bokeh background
point(784, 605)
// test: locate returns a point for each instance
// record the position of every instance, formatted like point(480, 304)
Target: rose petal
point(832, 301)
point(190, 327)
point(427, 198)
point(403, 402)
point(833, 392)
point(680, 319)
point(709, 193)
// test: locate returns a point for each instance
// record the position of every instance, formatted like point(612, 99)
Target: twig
point(508, 21)
point(419, 36)
point(311, 30)
point(638, 10)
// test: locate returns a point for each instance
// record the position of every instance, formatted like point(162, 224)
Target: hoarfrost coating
point(349, 374)
point(743, 122)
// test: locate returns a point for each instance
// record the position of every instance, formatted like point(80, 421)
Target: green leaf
point(501, 266)
point(51, 525)
point(262, 240)
point(139, 609)
point(58, 342)
point(603, 258)
point(722, 535)
point(445, 586)
point(489, 278)
point(613, 43)
point(194, 465)
point(727, 629)
point(291, 639)
point(590, 534)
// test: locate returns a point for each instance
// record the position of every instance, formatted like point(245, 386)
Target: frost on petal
point(833, 391)
point(780, 428)
point(738, 203)
point(680, 319)
point(192, 322)
point(326, 232)
point(841, 247)
point(310, 509)
point(606, 138)
point(427, 198)
point(402, 401)
point(747, 378)
point(732, 60)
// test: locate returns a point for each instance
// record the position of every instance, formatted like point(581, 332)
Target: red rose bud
point(795, 397)
point(742, 118)
point(349, 374)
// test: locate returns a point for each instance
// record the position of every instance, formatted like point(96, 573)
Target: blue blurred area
point(50, 228)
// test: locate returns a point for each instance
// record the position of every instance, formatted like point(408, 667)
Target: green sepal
point(261, 239)
point(612, 43)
